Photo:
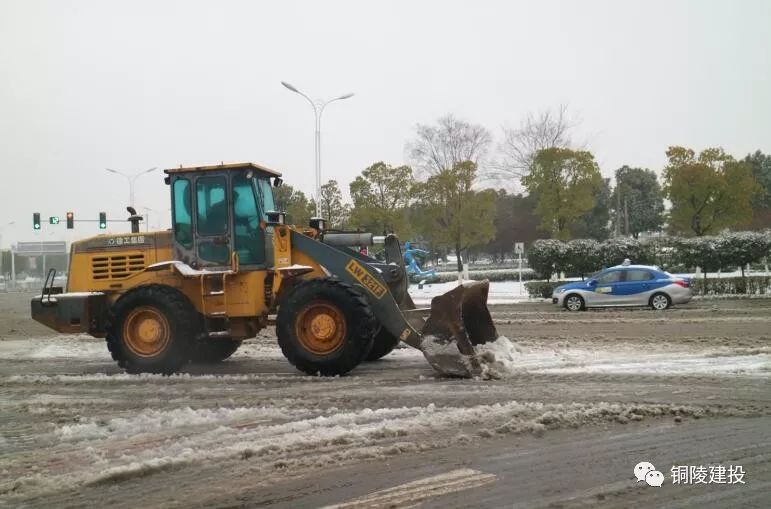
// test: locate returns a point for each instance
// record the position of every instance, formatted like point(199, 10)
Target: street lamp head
point(111, 171)
point(151, 169)
point(290, 87)
point(346, 96)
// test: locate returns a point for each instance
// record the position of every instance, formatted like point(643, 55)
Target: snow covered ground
point(75, 430)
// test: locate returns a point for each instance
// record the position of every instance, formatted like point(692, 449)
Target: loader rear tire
point(384, 344)
point(210, 351)
point(152, 329)
point(325, 327)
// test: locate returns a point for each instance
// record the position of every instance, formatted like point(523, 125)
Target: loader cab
point(220, 211)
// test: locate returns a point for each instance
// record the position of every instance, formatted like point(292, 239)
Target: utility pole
point(618, 210)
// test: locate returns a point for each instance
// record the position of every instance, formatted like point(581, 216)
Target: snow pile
point(494, 360)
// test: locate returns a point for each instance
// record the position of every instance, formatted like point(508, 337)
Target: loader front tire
point(325, 327)
point(152, 329)
point(384, 344)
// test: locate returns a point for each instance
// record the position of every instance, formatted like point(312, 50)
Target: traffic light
point(70, 220)
point(102, 220)
point(53, 219)
point(36, 220)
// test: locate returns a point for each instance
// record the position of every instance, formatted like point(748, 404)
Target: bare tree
point(451, 141)
point(548, 129)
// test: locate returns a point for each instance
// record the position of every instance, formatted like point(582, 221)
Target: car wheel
point(660, 301)
point(574, 302)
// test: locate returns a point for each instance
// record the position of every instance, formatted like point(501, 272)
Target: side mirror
point(591, 282)
point(277, 182)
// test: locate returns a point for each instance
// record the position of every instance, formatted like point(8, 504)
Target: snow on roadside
point(86, 347)
point(153, 420)
point(97, 452)
point(82, 347)
point(501, 292)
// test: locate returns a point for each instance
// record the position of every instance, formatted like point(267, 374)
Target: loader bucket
point(459, 320)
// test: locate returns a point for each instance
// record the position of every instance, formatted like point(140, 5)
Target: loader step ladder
point(213, 289)
point(212, 292)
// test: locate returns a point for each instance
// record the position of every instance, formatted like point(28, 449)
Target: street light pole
point(1, 247)
point(131, 178)
point(318, 109)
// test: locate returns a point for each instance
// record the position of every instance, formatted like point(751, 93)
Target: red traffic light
point(70, 220)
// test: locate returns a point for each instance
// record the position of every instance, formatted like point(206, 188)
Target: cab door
point(249, 239)
point(212, 220)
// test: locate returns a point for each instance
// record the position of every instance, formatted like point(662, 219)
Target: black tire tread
point(384, 343)
point(211, 351)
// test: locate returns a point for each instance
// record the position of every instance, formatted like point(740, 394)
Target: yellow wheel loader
point(230, 266)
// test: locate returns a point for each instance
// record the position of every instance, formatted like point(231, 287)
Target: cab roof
point(223, 166)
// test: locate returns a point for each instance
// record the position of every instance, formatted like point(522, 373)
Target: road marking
point(412, 493)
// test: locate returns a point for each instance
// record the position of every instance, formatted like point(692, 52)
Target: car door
point(634, 287)
point(605, 288)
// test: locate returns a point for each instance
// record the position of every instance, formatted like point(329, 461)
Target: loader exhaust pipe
point(348, 239)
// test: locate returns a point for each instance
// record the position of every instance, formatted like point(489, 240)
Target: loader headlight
point(275, 217)
point(318, 223)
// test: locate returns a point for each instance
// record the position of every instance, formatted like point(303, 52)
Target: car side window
point(609, 277)
point(638, 275)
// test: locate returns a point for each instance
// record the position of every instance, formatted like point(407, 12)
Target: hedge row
point(585, 256)
point(754, 285)
point(478, 275)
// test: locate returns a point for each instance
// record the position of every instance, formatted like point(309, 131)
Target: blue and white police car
point(625, 285)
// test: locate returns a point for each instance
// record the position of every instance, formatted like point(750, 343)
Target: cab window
point(183, 218)
point(248, 236)
point(609, 277)
point(265, 193)
point(211, 209)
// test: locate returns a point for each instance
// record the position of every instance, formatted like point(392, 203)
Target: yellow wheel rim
point(146, 331)
point(321, 328)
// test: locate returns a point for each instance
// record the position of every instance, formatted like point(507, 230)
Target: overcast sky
point(133, 85)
